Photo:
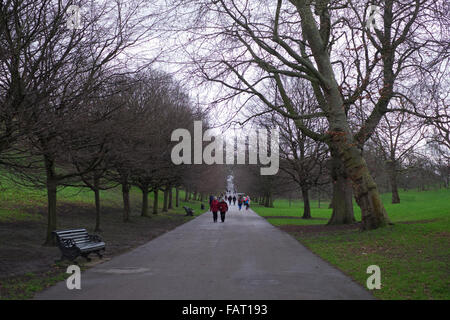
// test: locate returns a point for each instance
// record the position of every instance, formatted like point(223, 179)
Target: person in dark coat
point(214, 207)
point(223, 208)
point(234, 200)
point(240, 202)
point(229, 199)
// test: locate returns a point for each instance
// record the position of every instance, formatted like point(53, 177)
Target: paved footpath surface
point(243, 258)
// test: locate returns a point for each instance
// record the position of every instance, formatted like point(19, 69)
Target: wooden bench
point(189, 211)
point(77, 242)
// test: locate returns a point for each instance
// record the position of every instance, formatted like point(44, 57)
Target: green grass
point(15, 199)
point(27, 285)
point(414, 257)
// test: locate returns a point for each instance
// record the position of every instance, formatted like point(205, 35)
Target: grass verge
point(413, 254)
point(27, 267)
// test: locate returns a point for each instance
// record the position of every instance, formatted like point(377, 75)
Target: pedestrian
point(211, 198)
point(214, 207)
point(234, 200)
point(240, 201)
point(229, 199)
point(223, 208)
point(247, 202)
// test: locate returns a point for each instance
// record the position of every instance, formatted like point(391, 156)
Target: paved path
point(243, 258)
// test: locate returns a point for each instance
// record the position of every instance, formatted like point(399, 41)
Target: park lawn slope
point(27, 267)
point(413, 254)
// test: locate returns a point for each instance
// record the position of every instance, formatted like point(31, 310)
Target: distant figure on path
point(211, 198)
point(247, 202)
point(214, 207)
point(223, 208)
point(234, 200)
point(229, 199)
point(240, 201)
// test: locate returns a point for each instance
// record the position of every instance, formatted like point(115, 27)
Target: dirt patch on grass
point(21, 249)
point(442, 234)
point(418, 221)
point(292, 217)
point(318, 229)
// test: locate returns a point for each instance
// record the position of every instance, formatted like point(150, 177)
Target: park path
point(243, 258)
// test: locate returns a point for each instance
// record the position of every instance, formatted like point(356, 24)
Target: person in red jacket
point(223, 208)
point(214, 207)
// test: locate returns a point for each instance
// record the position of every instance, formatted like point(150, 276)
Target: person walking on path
point(214, 207)
point(247, 202)
point(211, 198)
point(240, 201)
point(234, 200)
point(229, 199)
point(223, 208)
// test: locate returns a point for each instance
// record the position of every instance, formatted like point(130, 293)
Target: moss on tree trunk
point(341, 202)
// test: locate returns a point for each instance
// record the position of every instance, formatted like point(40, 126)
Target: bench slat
point(61, 232)
point(78, 236)
point(92, 246)
point(72, 234)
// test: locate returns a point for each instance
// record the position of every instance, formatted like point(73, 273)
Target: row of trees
point(74, 112)
point(354, 105)
point(261, 54)
point(401, 153)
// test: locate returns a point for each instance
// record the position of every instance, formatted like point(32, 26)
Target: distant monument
point(230, 184)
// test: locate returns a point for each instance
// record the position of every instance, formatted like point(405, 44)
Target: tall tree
point(397, 136)
point(253, 44)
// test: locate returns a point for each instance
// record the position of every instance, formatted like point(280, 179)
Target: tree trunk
point(144, 210)
point(126, 201)
point(306, 205)
point(342, 203)
point(97, 204)
point(392, 171)
point(342, 194)
point(177, 197)
point(186, 195)
point(318, 198)
point(266, 201)
point(52, 184)
point(166, 199)
point(155, 201)
point(170, 205)
point(365, 189)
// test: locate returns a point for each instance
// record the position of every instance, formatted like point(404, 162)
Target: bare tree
point(48, 74)
point(253, 44)
point(397, 136)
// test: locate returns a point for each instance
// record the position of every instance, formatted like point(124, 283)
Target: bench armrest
point(67, 243)
point(95, 238)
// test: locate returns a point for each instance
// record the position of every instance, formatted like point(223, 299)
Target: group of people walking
point(218, 206)
point(221, 205)
point(244, 201)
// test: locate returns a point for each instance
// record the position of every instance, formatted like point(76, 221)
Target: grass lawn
point(27, 267)
point(413, 254)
